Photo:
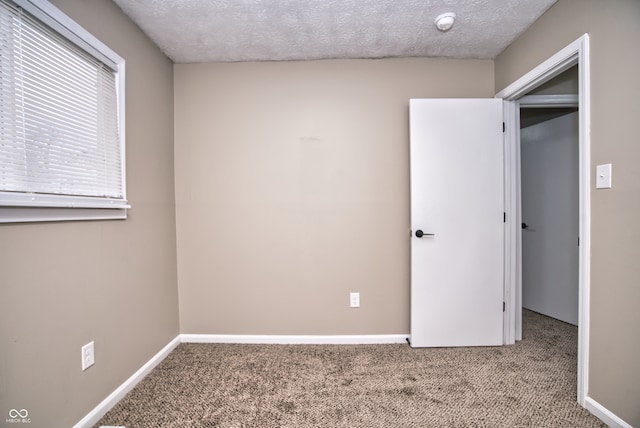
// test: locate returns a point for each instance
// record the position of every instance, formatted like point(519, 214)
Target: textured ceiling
point(262, 30)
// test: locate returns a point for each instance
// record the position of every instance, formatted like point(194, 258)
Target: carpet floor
point(530, 384)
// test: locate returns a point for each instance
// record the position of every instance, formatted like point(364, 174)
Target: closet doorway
point(549, 168)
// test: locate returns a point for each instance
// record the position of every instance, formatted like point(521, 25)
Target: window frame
point(34, 207)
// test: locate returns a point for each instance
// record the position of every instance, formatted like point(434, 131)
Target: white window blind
point(60, 142)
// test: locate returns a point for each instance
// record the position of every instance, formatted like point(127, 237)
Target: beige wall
point(292, 190)
point(614, 29)
point(114, 282)
point(564, 83)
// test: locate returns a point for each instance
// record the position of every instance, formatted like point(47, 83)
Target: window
point(61, 119)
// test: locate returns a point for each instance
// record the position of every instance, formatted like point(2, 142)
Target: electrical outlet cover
point(354, 300)
point(88, 356)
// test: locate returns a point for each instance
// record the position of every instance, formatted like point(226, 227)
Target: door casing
point(575, 53)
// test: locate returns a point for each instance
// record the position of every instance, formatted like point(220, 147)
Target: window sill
point(41, 214)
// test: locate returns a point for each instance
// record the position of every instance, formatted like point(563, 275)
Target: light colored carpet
point(530, 384)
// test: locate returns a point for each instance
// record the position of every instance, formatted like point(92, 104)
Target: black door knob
point(420, 234)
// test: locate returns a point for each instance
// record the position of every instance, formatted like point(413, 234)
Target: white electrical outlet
point(354, 299)
point(88, 356)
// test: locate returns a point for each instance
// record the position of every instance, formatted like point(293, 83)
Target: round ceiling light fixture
point(445, 21)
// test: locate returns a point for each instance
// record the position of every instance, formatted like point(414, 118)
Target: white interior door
point(457, 195)
point(549, 177)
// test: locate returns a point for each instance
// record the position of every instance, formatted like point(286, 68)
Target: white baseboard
point(604, 414)
point(101, 409)
point(366, 339)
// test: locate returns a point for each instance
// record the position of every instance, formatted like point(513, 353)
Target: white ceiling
point(262, 30)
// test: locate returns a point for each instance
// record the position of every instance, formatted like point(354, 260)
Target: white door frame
point(575, 53)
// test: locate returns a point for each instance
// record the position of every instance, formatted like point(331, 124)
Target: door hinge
point(504, 127)
point(504, 218)
point(504, 306)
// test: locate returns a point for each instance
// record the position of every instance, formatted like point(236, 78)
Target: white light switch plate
point(603, 176)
